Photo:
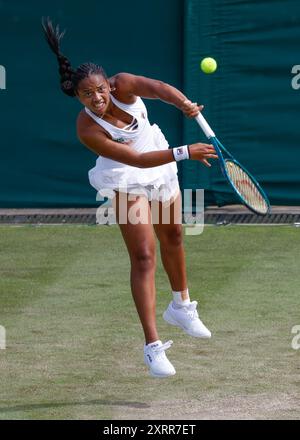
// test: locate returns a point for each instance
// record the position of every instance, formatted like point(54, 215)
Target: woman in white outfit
point(137, 170)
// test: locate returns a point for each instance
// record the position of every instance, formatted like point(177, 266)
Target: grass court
point(75, 345)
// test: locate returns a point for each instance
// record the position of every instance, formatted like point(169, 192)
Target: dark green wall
point(249, 101)
point(42, 162)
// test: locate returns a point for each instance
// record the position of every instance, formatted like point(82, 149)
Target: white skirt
point(156, 183)
point(165, 193)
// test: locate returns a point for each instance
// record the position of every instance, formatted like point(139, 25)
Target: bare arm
point(105, 147)
point(129, 86)
point(102, 145)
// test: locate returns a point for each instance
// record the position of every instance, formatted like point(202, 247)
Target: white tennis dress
point(109, 176)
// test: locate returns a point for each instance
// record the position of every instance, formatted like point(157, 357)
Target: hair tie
point(67, 85)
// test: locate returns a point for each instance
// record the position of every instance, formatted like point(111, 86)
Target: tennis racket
point(242, 182)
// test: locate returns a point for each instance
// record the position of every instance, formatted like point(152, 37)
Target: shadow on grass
point(63, 404)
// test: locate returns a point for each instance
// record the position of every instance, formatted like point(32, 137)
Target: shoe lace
point(192, 310)
point(163, 347)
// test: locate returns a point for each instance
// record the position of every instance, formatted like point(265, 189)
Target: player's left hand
point(191, 109)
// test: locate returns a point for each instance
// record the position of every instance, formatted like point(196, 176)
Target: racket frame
point(219, 147)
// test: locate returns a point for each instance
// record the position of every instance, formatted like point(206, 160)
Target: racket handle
point(204, 125)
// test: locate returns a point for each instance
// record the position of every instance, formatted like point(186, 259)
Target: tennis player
point(136, 168)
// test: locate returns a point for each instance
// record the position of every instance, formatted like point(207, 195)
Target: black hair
point(69, 78)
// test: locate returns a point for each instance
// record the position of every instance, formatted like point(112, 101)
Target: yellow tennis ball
point(208, 65)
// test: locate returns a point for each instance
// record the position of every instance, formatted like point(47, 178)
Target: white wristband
point(181, 153)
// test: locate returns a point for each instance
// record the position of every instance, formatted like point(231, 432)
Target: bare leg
point(171, 244)
point(173, 258)
point(140, 241)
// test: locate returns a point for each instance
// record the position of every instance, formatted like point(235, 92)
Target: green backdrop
point(42, 162)
point(249, 101)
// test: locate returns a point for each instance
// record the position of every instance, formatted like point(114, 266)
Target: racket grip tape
point(204, 125)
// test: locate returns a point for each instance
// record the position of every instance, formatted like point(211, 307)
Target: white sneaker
point(156, 359)
point(187, 318)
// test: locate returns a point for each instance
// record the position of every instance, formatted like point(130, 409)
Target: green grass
point(74, 342)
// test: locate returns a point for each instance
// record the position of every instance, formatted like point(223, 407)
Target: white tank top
point(112, 174)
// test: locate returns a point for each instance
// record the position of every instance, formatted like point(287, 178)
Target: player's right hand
point(202, 152)
point(191, 109)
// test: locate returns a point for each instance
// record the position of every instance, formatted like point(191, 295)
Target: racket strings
point(245, 186)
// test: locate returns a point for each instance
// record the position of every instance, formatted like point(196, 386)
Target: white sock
point(181, 298)
point(158, 342)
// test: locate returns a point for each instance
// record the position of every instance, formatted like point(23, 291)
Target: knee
point(172, 237)
point(143, 260)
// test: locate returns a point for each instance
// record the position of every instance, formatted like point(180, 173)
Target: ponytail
point(53, 37)
point(69, 78)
